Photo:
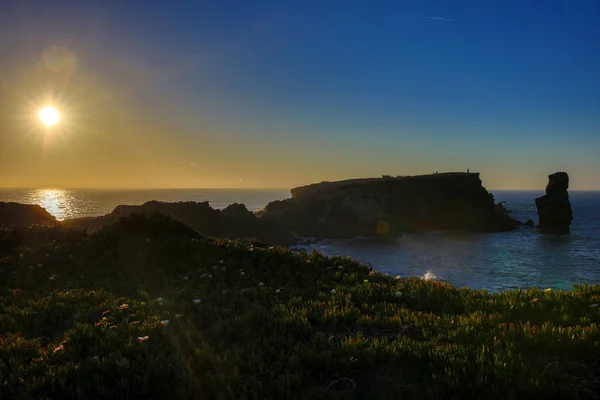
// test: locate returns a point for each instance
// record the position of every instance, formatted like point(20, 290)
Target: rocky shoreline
point(372, 207)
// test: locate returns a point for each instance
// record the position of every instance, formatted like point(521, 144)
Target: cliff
point(391, 205)
point(368, 207)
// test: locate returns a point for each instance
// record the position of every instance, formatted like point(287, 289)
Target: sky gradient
point(285, 93)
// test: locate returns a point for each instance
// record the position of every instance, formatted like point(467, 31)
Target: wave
point(429, 276)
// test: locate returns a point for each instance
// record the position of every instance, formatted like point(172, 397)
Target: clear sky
point(220, 93)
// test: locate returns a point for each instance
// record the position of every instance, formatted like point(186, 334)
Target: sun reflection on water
point(58, 202)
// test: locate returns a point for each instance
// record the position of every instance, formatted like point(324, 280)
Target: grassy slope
point(270, 324)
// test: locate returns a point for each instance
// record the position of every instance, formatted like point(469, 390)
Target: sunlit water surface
point(78, 203)
point(497, 261)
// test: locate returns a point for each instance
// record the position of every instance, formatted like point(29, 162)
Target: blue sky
point(290, 92)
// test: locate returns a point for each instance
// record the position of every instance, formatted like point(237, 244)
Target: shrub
point(229, 319)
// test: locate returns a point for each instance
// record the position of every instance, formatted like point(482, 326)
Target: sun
point(49, 116)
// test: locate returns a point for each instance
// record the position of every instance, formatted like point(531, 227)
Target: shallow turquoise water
point(493, 261)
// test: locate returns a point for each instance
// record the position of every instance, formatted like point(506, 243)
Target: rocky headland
point(380, 207)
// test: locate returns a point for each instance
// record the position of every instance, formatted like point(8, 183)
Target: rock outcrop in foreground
point(24, 215)
point(554, 209)
point(368, 207)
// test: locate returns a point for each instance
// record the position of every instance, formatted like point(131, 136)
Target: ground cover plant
point(149, 309)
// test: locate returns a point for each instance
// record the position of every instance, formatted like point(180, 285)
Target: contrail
point(435, 18)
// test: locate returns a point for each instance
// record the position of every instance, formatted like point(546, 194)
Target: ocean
point(492, 261)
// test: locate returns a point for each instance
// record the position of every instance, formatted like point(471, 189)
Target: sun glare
point(49, 116)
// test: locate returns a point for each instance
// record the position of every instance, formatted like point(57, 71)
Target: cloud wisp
point(435, 18)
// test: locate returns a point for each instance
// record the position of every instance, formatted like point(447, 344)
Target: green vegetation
point(148, 309)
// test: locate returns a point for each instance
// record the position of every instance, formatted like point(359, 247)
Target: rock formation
point(384, 206)
point(388, 206)
point(238, 222)
point(24, 215)
point(200, 216)
point(554, 209)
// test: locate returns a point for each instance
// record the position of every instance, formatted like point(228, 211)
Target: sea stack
point(554, 209)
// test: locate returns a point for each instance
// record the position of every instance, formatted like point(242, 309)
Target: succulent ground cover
point(149, 309)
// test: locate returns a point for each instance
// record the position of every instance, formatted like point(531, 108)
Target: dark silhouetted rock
point(24, 215)
point(500, 209)
point(383, 207)
point(554, 209)
point(238, 222)
point(199, 216)
point(529, 223)
point(389, 206)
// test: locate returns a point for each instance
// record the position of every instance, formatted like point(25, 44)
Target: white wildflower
point(185, 278)
point(52, 277)
point(141, 339)
point(40, 265)
point(220, 261)
point(261, 284)
point(332, 291)
point(397, 277)
point(215, 267)
point(197, 301)
point(165, 322)
point(278, 291)
point(594, 306)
